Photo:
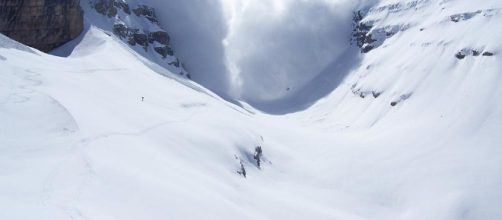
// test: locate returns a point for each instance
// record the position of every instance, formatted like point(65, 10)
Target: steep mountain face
point(417, 52)
point(42, 24)
point(137, 25)
point(261, 56)
point(277, 58)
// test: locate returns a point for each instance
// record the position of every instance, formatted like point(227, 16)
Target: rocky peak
point(138, 25)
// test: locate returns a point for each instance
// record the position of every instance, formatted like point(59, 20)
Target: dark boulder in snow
point(488, 54)
point(471, 52)
point(460, 55)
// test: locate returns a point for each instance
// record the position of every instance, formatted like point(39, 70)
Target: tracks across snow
point(77, 166)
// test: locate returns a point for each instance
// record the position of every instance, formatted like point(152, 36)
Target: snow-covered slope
point(415, 68)
point(407, 130)
point(137, 25)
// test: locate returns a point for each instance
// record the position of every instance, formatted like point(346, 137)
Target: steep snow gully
point(359, 110)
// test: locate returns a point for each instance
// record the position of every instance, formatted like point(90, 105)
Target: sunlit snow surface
point(78, 142)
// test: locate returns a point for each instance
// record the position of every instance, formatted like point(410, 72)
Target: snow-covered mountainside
point(401, 121)
point(137, 25)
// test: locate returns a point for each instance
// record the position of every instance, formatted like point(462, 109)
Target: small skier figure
point(142, 98)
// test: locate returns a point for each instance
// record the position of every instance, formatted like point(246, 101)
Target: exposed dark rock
point(112, 12)
point(110, 7)
point(120, 30)
point(460, 55)
point(367, 37)
point(361, 33)
point(159, 36)
point(376, 94)
point(104, 7)
point(364, 94)
point(135, 37)
point(175, 63)
point(366, 48)
point(258, 153)
point(141, 39)
point(42, 24)
point(464, 16)
point(124, 6)
point(471, 52)
point(131, 41)
point(164, 51)
point(157, 40)
point(488, 54)
point(401, 99)
point(242, 170)
point(147, 12)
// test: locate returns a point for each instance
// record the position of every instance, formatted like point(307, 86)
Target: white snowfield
point(78, 142)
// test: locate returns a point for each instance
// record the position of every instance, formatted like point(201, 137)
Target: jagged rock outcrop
point(147, 12)
point(367, 37)
point(361, 33)
point(42, 24)
point(151, 37)
point(109, 7)
point(472, 52)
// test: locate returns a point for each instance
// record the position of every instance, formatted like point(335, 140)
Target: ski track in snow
point(77, 150)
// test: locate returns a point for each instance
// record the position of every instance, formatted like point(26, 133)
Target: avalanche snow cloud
point(266, 50)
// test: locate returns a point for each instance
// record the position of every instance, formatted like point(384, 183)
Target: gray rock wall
point(42, 24)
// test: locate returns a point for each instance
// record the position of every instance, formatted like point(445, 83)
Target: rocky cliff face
point(137, 25)
point(42, 24)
